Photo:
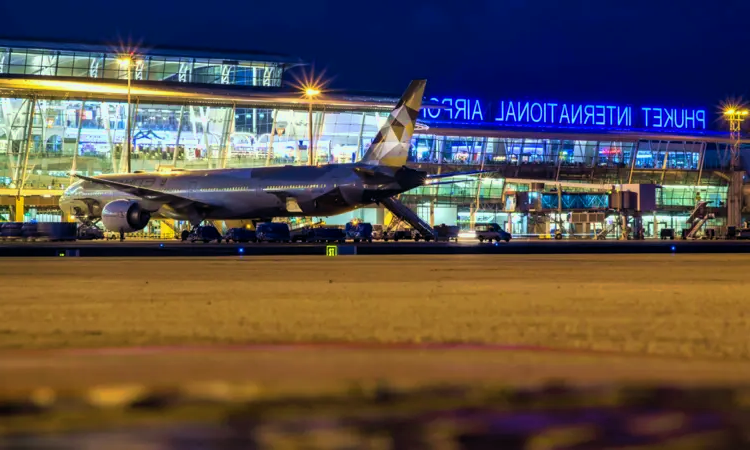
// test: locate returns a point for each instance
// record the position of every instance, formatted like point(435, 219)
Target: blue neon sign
point(560, 114)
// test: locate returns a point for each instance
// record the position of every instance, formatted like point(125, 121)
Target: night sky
point(599, 50)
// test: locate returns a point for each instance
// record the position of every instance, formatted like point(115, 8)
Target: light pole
point(734, 193)
point(310, 93)
point(128, 62)
point(735, 118)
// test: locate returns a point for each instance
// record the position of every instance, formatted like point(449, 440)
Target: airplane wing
point(457, 174)
point(437, 183)
point(175, 201)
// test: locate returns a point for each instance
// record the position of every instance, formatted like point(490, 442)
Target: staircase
point(697, 219)
point(609, 228)
point(403, 212)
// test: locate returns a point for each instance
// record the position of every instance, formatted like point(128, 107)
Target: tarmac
point(172, 248)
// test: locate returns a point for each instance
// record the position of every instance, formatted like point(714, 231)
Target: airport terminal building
point(556, 164)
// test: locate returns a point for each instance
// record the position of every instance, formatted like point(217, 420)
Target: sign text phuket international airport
point(560, 114)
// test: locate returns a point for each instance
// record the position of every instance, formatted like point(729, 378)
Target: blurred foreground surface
point(554, 416)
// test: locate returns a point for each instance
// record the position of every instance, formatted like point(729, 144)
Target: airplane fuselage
point(237, 194)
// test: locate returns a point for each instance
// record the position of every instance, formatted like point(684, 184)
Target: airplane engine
point(125, 214)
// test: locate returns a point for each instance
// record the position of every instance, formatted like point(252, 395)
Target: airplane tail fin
point(391, 145)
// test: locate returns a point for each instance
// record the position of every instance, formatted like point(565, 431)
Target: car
point(240, 235)
point(205, 234)
point(86, 233)
point(273, 232)
point(491, 232)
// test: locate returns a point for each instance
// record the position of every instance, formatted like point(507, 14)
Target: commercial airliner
point(126, 202)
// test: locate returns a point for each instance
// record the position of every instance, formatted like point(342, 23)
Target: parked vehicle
point(360, 231)
point(240, 235)
point(87, 233)
point(399, 235)
point(447, 233)
point(319, 234)
point(57, 231)
point(491, 232)
point(273, 232)
point(11, 230)
point(205, 234)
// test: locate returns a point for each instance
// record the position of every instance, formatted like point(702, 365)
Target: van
point(491, 232)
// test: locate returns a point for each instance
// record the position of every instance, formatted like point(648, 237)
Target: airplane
point(126, 202)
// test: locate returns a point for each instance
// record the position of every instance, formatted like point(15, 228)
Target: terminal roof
point(233, 55)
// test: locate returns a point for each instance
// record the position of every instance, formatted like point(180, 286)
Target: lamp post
point(310, 93)
point(734, 193)
point(735, 118)
point(128, 62)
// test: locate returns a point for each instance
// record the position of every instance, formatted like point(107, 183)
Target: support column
point(734, 199)
point(30, 132)
point(20, 210)
point(701, 158)
point(269, 150)
point(228, 130)
point(310, 153)
point(358, 153)
point(177, 140)
point(126, 159)
point(624, 234)
point(74, 164)
point(318, 133)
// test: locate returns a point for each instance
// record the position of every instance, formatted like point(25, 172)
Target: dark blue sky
point(598, 50)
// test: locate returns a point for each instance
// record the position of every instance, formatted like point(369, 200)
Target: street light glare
point(729, 111)
point(311, 92)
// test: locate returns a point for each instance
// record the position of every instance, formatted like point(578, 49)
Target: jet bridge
point(403, 212)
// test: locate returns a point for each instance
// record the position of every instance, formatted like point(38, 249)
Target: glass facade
point(105, 65)
point(92, 135)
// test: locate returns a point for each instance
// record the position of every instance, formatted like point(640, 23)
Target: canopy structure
point(206, 95)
